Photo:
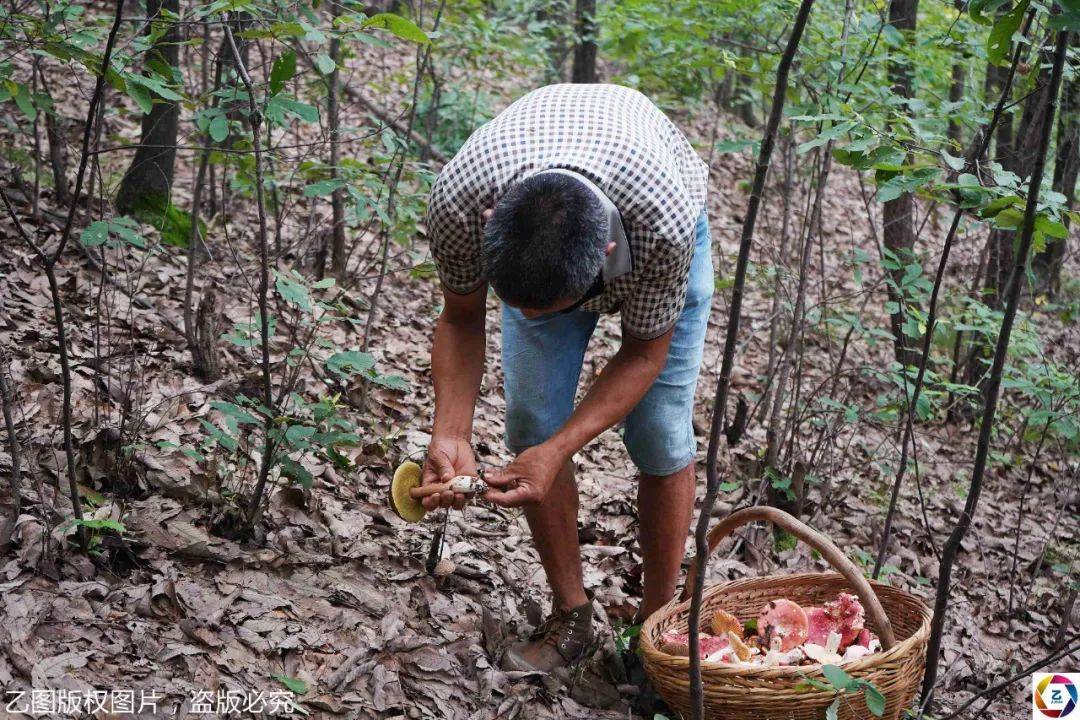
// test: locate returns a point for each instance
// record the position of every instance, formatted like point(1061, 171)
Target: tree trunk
point(585, 52)
point(992, 388)
point(553, 16)
point(956, 94)
point(148, 181)
point(1047, 264)
point(1020, 159)
point(898, 215)
point(725, 93)
point(993, 86)
point(743, 98)
point(1003, 137)
point(956, 87)
point(230, 77)
point(57, 148)
point(696, 577)
point(339, 250)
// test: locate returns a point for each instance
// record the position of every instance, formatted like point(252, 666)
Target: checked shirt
point(617, 138)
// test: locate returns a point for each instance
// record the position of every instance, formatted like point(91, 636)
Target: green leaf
point(1050, 227)
point(283, 71)
point(1000, 38)
point(286, 106)
point(875, 701)
point(325, 63)
point(323, 187)
point(293, 291)
point(1009, 218)
point(297, 473)
point(1067, 19)
point(893, 36)
point(219, 128)
point(402, 27)
point(155, 85)
point(839, 679)
point(299, 435)
point(350, 362)
point(123, 228)
point(833, 711)
point(141, 96)
point(104, 524)
point(25, 103)
point(295, 684)
point(952, 161)
point(234, 414)
point(394, 382)
point(97, 233)
point(979, 8)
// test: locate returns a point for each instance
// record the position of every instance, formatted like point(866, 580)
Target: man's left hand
point(527, 480)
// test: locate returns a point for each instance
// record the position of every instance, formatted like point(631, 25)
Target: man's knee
point(527, 424)
point(657, 447)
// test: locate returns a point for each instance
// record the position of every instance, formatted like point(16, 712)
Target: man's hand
point(447, 458)
point(527, 480)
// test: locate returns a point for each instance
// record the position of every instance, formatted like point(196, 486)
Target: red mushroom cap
point(676, 643)
point(786, 620)
point(820, 625)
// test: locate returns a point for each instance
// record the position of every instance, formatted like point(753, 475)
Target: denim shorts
point(542, 361)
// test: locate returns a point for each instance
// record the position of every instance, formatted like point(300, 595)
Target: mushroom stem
point(466, 484)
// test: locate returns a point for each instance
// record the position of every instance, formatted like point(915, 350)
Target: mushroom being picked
point(406, 490)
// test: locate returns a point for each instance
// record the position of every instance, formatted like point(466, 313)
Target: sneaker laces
point(557, 629)
point(551, 629)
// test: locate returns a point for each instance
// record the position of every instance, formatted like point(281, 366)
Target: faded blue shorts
point(542, 361)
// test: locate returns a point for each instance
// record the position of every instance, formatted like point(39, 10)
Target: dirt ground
point(335, 594)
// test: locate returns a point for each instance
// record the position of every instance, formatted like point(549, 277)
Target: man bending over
point(576, 200)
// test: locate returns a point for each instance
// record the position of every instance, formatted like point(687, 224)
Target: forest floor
point(335, 593)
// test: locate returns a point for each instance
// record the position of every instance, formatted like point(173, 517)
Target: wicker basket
point(900, 619)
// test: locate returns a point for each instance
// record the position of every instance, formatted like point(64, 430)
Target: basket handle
point(814, 539)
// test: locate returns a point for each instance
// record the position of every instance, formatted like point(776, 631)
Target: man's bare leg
point(554, 530)
point(665, 508)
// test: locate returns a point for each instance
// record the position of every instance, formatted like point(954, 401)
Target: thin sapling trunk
point(339, 253)
point(255, 118)
point(978, 146)
point(761, 172)
point(993, 382)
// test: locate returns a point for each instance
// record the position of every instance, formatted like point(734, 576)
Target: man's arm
point(624, 381)
point(457, 367)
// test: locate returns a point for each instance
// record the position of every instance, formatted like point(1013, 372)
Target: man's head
point(545, 243)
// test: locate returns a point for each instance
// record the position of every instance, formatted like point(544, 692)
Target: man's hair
point(545, 241)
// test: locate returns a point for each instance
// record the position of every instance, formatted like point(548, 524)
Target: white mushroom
point(820, 654)
point(468, 485)
point(854, 652)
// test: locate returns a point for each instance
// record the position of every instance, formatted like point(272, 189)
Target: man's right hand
point(446, 459)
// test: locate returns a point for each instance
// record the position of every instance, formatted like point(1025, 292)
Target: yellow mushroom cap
point(723, 622)
point(406, 477)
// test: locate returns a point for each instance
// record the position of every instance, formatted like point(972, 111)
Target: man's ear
point(610, 248)
point(486, 215)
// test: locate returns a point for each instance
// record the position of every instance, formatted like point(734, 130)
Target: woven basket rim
point(910, 644)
